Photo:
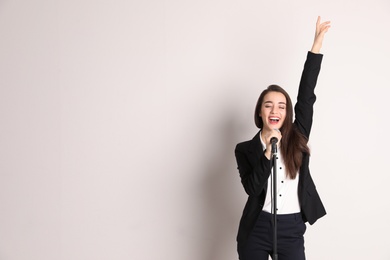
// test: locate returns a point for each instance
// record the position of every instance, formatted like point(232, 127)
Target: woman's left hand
point(321, 29)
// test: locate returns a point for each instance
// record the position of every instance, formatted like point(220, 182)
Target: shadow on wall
point(224, 196)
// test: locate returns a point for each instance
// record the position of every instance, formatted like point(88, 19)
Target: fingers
point(322, 27)
point(323, 30)
point(318, 21)
point(319, 24)
point(325, 25)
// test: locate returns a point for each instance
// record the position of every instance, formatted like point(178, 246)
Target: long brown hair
point(293, 144)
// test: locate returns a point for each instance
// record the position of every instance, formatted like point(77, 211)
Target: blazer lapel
point(255, 146)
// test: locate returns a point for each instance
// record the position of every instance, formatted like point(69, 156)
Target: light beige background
point(119, 120)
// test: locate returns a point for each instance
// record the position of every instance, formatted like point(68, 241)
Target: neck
point(264, 133)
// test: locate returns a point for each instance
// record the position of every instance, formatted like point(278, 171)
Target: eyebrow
point(270, 102)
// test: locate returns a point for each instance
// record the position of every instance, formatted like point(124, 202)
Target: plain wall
point(119, 121)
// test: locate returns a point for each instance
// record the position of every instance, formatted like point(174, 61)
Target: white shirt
point(287, 189)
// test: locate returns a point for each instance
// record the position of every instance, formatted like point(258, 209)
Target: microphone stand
point(274, 201)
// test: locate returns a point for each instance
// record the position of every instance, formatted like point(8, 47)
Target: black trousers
point(290, 238)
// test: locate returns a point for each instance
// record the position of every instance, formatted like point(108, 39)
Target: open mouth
point(274, 120)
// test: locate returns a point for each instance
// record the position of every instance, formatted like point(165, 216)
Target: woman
point(298, 201)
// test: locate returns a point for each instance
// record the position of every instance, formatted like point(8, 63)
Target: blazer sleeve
point(306, 97)
point(254, 171)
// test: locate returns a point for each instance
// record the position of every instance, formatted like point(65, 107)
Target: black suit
point(255, 168)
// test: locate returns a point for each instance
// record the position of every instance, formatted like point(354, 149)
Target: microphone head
point(274, 140)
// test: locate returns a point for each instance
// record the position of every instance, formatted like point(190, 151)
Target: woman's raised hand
point(321, 29)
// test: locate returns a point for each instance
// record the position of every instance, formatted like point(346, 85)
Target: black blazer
point(255, 168)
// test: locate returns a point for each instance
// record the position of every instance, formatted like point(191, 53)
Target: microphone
point(274, 140)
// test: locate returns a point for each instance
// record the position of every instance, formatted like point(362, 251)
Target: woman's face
point(273, 110)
